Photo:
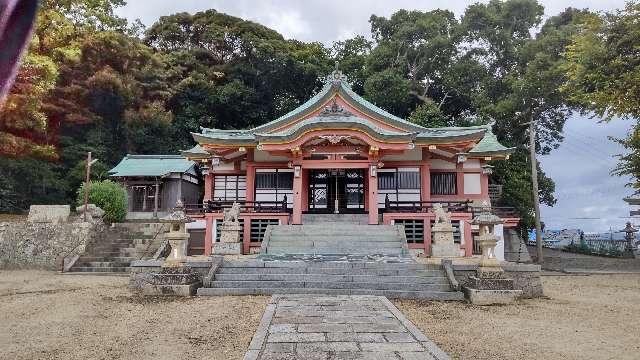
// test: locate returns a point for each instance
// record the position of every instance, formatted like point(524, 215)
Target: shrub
point(107, 195)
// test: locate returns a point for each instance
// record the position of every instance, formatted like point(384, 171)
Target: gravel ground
point(44, 315)
point(585, 317)
point(48, 316)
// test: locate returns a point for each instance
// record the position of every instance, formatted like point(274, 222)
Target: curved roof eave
point(219, 140)
point(338, 125)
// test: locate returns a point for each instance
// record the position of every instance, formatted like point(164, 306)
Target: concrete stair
point(113, 251)
point(353, 219)
point(335, 238)
point(405, 279)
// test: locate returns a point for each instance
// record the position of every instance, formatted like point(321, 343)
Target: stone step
point(329, 230)
point(336, 239)
point(393, 294)
point(100, 269)
point(101, 264)
point(331, 285)
point(338, 278)
point(352, 251)
point(329, 271)
point(257, 263)
point(336, 243)
point(107, 258)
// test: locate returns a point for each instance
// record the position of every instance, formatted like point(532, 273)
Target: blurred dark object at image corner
point(16, 23)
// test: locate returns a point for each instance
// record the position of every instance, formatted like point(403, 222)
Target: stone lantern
point(490, 285)
point(178, 236)
point(486, 221)
point(630, 235)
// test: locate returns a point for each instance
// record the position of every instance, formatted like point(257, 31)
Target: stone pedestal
point(442, 244)
point(488, 262)
point(230, 232)
point(178, 255)
point(172, 281)
point(229, 240)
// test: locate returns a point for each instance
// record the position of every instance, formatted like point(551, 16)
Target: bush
point(107, 195)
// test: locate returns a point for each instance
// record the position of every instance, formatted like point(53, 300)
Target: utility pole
point(534, 187)
point(86, 183)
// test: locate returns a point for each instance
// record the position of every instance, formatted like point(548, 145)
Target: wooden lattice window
point(444, 183)
point(230, 187)
point(413, 229)
point(259, 226)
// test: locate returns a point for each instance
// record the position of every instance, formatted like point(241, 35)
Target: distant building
point(634, 202)
point(154, 183)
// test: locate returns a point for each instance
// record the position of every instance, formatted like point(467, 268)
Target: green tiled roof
point(489, 145)
point(151, 165)
point(336, 122)
point(336, 84)
point(195, 152)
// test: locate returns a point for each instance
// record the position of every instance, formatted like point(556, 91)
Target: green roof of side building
point(151, 165)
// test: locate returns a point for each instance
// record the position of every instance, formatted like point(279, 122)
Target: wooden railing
point(425, 206)
point(450, 206)
point(218, 206)
point(503, 212)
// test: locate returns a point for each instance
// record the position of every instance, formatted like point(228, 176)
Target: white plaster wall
point(471, 164)
point(472, 184)
point(498, 230)
point(198, 224)
point(223, 167)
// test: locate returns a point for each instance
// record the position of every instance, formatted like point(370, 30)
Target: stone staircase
point(335, 238)
point(357, 219)
point(331, 257)
point(113, 251)
point(403, 278)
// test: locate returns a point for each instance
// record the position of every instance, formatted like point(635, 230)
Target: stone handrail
point(448, 270)
point(265, 239)
point(161, 247)
point(216, 262)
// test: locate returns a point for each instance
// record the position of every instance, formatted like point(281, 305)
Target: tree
point(603, 76)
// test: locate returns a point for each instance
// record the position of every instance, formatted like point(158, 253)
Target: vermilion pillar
point(208, 186)
point(208, 235)
point(373, 198)
point(425, 182)
point(297, 195)
point(251, 182)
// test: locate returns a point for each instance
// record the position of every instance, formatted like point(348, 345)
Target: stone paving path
point(338, 327)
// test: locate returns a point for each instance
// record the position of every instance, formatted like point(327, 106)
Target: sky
point(588, 197)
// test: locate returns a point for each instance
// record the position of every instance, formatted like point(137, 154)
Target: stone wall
point(43, 245)
point(526, 277)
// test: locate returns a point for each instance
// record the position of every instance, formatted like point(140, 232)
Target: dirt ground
point(44, 315)
point(584, 317)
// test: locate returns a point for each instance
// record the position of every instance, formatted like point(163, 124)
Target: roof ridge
point(154, 156)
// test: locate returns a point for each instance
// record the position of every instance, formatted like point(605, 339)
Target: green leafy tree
point(603, 76)
point(429, 115)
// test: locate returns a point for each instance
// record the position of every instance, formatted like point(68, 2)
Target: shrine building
point(340, 155)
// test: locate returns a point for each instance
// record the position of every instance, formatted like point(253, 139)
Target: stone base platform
point(491, 297)
point(170, 290)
